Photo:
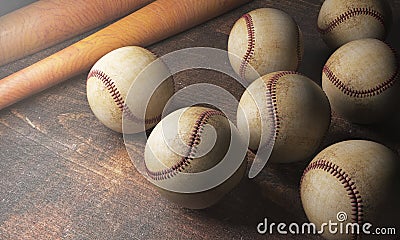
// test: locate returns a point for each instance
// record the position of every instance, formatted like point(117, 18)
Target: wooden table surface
point(65, 175)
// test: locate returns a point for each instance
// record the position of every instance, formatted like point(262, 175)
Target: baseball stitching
point(298, 49)
point(116, 95)
point(251, 42)
point(357, 211)
point(366, 92)
point(352, 13)
point(272, 105)
point(194, 142)
point(250, 45)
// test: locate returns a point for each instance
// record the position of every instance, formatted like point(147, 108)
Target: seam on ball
point(116, 95)
point(250, 45)
point(272, 105)
point(298, 49)
point(349, 14)
point(365, 92)
point(357, 211)
point(194, 142)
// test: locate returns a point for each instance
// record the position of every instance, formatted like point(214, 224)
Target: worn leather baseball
point(201, 140)
point(108, 84)
point(350, 182)
point(342, 21)
point(286, 107)
point(361, 81)
point(266, 39)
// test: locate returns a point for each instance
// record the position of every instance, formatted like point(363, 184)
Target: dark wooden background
point(64, 175)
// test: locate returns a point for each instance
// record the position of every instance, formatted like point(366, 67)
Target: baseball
point(266, 39)
point(350, 183)
point(108, 84)
point(287, 108)
point(361, 81)
point(200, 141)
point(342, 21)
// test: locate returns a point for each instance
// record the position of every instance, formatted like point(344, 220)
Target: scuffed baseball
point(342, 21)
point(361, 81)
point(200, 142)
point(288, 108)
point(108, 84)
point(266, 39)
point(350, 182)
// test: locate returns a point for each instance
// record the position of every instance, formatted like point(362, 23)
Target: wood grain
point(63, 175)
point(48, 22)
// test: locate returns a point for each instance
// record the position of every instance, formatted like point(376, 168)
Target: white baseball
point(351, 182)
point(288, 108)
point(361, 80)
point(108, 84)
point(185, 144)
point(342, 21)
point(266, 39)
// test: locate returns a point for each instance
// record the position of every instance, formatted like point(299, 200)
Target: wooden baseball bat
point(152, 23)
point(48, 22)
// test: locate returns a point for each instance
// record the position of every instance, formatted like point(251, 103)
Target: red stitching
point(272, 104)
point(357, 211)
point(194, 141)
point(116, 95)
point(250, 45)
point(298, 49)
point(360, 93)
point(352, 13)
